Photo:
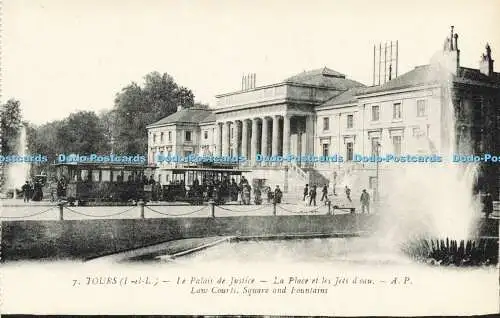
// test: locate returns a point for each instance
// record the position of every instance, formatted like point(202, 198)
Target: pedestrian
point(365, 202)
point(306, 192)
point(488, 204)
point(270, 195)
point(348, 193)
point(26, 191)
point(324, 193)
point(312, 195)
point(257, 195)
point(277, 194)
point(240, 194)
point(246, 194)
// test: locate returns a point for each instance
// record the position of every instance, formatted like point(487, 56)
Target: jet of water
point(18, 172)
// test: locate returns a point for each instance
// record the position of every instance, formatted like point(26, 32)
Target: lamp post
point(376, 196)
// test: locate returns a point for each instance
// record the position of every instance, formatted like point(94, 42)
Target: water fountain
point(18, 172)
point(430, 210)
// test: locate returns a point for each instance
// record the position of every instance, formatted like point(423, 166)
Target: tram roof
point(205, 169)
point(106, 165)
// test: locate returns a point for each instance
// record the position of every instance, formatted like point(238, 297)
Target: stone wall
point(84, 239)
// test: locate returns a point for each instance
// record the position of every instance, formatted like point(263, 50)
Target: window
point(416, 132)
point(349, 151)
point(154, 138)
point(84, 175)
point(326, 123)
point(205, 134)
point(396, 142)
point(373, 182)
point(421, 108)
point(187, 153)
point(375, 113)
point(105, 175)
point(126, 175)
point(375, 146)
point(169, 136)
point(116, 176)
point(161, 138)
point(396, 111)
point(325, 150)
point(95, 175)
point(187, 136)
point(350, 121)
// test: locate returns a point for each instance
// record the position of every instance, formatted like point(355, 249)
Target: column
point(225, 138)
point(254, 140)
point(309, 138)
point(265, 136)
point(236, 138)
point(309, 135)
point(218, 139)
point(286, 135)
point(244, 138)
point(276, 126)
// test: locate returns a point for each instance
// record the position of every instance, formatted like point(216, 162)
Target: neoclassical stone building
point(324, 113)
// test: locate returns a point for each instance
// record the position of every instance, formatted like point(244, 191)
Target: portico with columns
point(275, 120)
point(272, 133)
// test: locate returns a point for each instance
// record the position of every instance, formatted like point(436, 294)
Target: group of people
point(311, 192)
point(32, 191)
point(218, 190)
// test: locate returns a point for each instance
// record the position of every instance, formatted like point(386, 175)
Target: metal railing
point(65, 211)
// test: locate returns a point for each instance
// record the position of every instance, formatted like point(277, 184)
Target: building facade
point(323, 113)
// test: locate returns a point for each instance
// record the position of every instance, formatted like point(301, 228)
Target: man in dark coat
point(26, 191)
point(277, 194)
point(306, 192)
point(325, 193)
point(312, 195)
point(488, 205)
point(365, 201)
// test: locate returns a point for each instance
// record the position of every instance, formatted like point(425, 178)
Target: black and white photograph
point(285, 158)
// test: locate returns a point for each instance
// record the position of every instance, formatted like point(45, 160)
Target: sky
point(61, 56)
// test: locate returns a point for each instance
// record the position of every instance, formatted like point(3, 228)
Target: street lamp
point(376, 196)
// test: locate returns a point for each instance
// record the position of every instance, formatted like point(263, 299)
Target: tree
point(137, 107)
point(10, 125)
point(45, 139)
point(82, 133)
point(107, 120)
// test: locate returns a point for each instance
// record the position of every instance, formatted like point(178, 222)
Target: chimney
point(249, 81)
point(451, 39)
point(450, 58)
point(486, 63)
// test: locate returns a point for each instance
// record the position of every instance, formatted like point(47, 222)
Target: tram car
point(200, 183)
point(103, 182)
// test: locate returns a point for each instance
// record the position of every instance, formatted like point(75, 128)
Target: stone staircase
point(308, 175)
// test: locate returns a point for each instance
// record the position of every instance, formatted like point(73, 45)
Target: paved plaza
point(16, 209)
point(292, 204)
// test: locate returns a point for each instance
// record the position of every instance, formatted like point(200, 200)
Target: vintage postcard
point(298, 158)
